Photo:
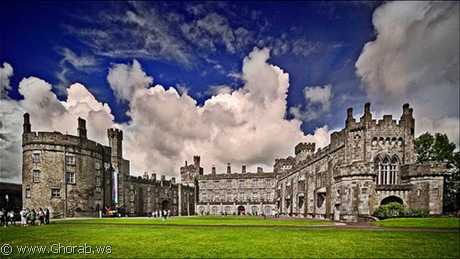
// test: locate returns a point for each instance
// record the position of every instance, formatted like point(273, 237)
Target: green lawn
point(134, 239)
point(200, 220)
point(420, 223)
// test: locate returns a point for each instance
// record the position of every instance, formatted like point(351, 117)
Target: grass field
point(181, 238)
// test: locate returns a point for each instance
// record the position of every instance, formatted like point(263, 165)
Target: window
point(216, 198)
point(228, 197)
point(269, 183)
point(203, 197)
point(70, 178)
point(216, 184)
point(241, 183)
point(55, 193)
point(36, 176)
point(98, 195)
point(254, 183)
point(28, 194)
point(363, 190)
point(36, 157)
point(229, 183)
point(98, 181)
point(131, 196)
point(70, 160)
point(435, 191)
point(268, 196)
point(97, 165)
point(255, 196)
point(386, 170)
point(203, 185)
point(241, 197)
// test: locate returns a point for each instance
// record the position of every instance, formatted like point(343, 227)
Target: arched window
point(394, 170)
point(386, 170)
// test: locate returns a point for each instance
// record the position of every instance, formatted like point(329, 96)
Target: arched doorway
point(241, 210)
point(391, 199)
point(165, 205)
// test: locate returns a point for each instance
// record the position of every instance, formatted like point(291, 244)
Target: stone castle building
point(75, 176)
point(366, 164)
point(230, 193)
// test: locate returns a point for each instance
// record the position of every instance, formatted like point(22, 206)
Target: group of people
point(6, 217)
point(161, 213)
point(28, 217)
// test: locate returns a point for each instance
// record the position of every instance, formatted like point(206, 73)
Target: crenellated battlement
point(305, 146)
point(58, 139)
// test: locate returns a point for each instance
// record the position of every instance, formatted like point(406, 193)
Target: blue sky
point(221, 79)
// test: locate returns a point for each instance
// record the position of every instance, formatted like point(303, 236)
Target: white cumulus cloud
point(415, 59)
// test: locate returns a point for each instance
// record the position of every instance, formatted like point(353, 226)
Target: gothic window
point(301, 201)
point(386, 170)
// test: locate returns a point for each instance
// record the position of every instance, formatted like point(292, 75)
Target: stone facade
point(368, 163)
point(75, 176)
point(231, 193)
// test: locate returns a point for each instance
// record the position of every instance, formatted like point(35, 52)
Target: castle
point(367, 164)
point(74, 176)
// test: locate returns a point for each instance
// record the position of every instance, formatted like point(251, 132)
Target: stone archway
point(165, 205)
point(241, 210)
point(391, 199)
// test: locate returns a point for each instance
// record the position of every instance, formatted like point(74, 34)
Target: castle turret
point(81, 128)
point(350, 120)
point(115, 142)
point(196, 162)
point(303, 150)
point(367, 116)
point(26, 126)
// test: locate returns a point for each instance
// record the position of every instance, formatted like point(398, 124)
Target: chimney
point(229, 168)
point(146, 176)
point(350, 120)
point(154, 177)
point(367, 112)
point(173, 180)
point(213, 169)
point(260, 170)
point(81, 128)
point(27, 127)
point(243, 169)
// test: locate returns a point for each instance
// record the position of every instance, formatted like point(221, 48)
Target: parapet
point(115, 133)
point(310, 147)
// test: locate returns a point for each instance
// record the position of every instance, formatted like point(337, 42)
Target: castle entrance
point(241, 210)
point(391, 199)
point(164, 205)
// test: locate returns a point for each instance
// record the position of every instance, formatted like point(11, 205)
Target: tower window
point(36, 176)
point(55, 193)
point(70, 160)
point(36, 157)
point(386, 170)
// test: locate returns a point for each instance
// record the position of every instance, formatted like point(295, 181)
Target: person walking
point(47, 216)
point(23, 214)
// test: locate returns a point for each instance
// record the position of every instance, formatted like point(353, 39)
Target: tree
point(438, 148)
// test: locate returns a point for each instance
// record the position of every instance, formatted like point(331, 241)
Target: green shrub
point(417, 213)
point(390, 210)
